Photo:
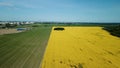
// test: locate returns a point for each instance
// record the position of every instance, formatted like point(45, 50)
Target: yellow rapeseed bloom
point(82, 47)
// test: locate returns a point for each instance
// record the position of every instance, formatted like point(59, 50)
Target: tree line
point(7, 25)
point(113, 30)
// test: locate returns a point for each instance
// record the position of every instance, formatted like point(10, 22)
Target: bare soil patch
point(8, 31)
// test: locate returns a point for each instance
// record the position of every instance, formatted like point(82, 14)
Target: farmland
point(76, 46)
point(8, 31)
point(25, 49)
point(82, 47)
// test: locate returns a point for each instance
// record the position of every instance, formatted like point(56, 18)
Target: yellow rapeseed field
point(82, 47)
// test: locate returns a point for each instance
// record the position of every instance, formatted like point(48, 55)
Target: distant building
point(2, 25)
point(14, 23)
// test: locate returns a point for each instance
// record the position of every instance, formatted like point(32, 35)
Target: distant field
point(23, 50)
point(8, 31)
point(82, 47)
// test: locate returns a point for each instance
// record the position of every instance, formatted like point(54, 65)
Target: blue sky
point(60, 10)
